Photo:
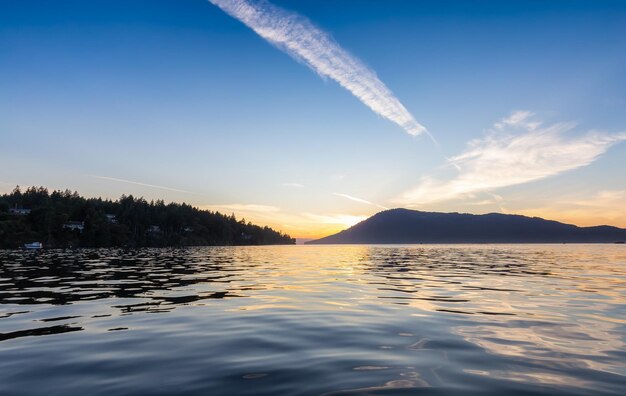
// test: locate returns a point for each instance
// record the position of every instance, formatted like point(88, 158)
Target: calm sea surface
point(488, 319)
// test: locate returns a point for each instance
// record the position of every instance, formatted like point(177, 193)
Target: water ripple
point(489, 319)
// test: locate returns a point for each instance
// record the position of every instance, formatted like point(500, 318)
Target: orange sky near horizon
point(601, 208)
point(309, 228)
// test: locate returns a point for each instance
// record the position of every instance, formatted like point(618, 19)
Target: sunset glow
point(329, 126)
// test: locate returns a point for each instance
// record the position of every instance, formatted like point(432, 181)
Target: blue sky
point(189, 104)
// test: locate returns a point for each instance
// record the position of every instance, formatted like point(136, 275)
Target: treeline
point(65, 219)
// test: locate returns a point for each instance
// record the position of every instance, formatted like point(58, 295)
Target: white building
point(154, 229)
point(19, 212)
point(75, 225)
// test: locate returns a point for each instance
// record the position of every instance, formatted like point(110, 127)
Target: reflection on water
point(524, 319)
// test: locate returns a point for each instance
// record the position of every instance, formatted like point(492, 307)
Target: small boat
point(33, 245)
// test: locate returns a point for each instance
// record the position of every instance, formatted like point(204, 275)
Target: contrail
point(298, 37)
point(361, 200)
point(141, 184)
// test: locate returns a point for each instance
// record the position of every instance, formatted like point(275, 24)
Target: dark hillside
point(65, 219)
point(412, 226)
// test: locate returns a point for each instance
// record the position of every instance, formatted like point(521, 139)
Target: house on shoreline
point(154, 230)
point(19, 211)
point(75, 225)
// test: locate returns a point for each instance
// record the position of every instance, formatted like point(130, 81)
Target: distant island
point(65, 219)
point(413, 226)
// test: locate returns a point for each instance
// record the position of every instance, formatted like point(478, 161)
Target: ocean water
point(312, 320)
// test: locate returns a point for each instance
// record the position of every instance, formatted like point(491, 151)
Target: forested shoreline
point(64, 219)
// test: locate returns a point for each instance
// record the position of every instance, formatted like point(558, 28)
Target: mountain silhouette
point(413, 226)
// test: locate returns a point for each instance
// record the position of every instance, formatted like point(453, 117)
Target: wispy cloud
point(142, 184)
point(299, 224)
point(344, 220)
point(602, 199)
point(602, 207)
point(517, 150)
point(518, 119)
point(295, 185)
point(244, 208)
point(360, 200)
point(298, 37)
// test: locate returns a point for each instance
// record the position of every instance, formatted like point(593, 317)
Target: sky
point(312, 115)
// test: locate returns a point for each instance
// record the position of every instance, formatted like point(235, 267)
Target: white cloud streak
point(517, 150)
point(603, 199)
point(338, 219)
point(360, 200)
point(518, 119)
point(253, 208)
point(299, 38)
point(602, 207)
point(295, 185)
point(142, 184)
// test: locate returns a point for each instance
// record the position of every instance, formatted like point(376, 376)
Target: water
point(518, 319)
